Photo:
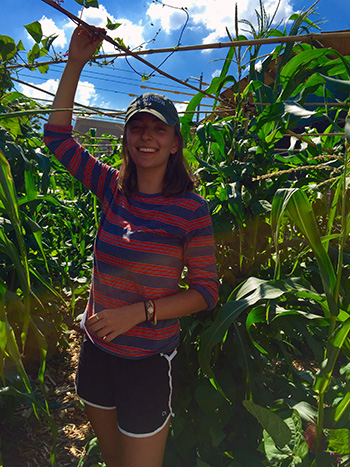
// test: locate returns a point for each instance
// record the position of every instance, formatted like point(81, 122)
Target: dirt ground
point(27, 442)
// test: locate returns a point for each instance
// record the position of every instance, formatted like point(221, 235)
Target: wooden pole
point(307, 38)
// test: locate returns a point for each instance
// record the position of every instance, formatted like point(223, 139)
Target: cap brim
point(152, 112)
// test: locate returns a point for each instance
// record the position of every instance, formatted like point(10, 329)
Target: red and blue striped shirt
point(142, 245)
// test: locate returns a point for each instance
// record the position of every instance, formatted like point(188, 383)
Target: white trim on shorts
point(91, 404)
point(146, 435)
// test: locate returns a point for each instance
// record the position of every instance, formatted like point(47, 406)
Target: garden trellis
point(105, 37)
point(306, 38)
point(310, 38)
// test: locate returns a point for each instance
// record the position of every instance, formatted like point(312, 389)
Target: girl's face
point(150, 142)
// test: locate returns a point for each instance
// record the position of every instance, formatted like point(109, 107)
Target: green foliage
point(295, 450)
point(37, 285)
point(277, 429)
point(112, 26)
point(7, 48)
point(88, 3)
point(264, 377)
point(34, 29)
point(281, 225)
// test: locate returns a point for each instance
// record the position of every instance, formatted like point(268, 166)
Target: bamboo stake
point(306, 140)
point(102, 112)
point(313, 104)
point(113, 113)
point(312, 37)
point(167, 90)
point(289, 171)
point(218, 111)
point(216, 45)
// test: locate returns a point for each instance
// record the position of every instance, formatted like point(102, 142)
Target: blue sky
point(141, 21)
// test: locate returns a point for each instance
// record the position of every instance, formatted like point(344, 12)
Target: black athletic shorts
point(141, 390)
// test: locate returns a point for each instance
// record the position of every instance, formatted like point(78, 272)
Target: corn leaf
point(342, 406)
point(31, 190)
point(279, 204)
point(9, 249)
point(7, 189)
point(296, 204)
point(13, 351)
point(230, 311)
point(333, 210)
point(334, 346)
point(9, 199)
point(347, 130)
point(339, 84)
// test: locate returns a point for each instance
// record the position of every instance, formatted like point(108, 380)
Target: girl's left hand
point(111, 322)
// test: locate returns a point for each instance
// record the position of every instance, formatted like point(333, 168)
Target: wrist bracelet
point(150, 311)
point(154, 321)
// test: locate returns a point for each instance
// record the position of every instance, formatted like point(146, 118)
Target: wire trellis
point(125, 52)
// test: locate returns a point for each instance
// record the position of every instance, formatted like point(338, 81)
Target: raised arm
point(95, 175)
point(82, 46)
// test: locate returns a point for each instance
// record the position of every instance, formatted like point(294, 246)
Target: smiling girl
point(152, 226)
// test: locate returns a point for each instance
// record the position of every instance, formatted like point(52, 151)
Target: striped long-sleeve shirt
point(142, 245)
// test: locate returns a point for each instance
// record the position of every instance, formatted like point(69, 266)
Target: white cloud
point(95, 16)
point(169, 18)
point(86, 93)
point(214, 15)
point(180, 107)
point(49, 85)
point(49, 28)
point(131, 33)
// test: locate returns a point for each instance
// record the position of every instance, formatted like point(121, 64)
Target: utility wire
point(41, 78)
point(96, 110)
point(112, 90)
point(95, 74)
point(53, 95)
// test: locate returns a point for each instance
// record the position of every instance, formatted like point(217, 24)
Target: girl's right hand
point(83, 44)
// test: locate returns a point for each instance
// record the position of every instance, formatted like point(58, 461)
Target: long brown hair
point(178, 177)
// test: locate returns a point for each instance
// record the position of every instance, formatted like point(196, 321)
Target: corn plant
point(278, 291)
point(25, 278)
point(16, 251)
point(236, 156)
point(323, 305)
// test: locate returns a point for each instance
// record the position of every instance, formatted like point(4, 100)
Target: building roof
point(83, 125)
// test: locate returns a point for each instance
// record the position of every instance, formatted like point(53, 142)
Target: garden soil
point(27, 441)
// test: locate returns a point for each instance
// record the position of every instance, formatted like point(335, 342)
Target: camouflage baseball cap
point(156, 104)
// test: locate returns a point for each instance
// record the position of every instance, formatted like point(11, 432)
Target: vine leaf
point(271, 422)
point(35, 31)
